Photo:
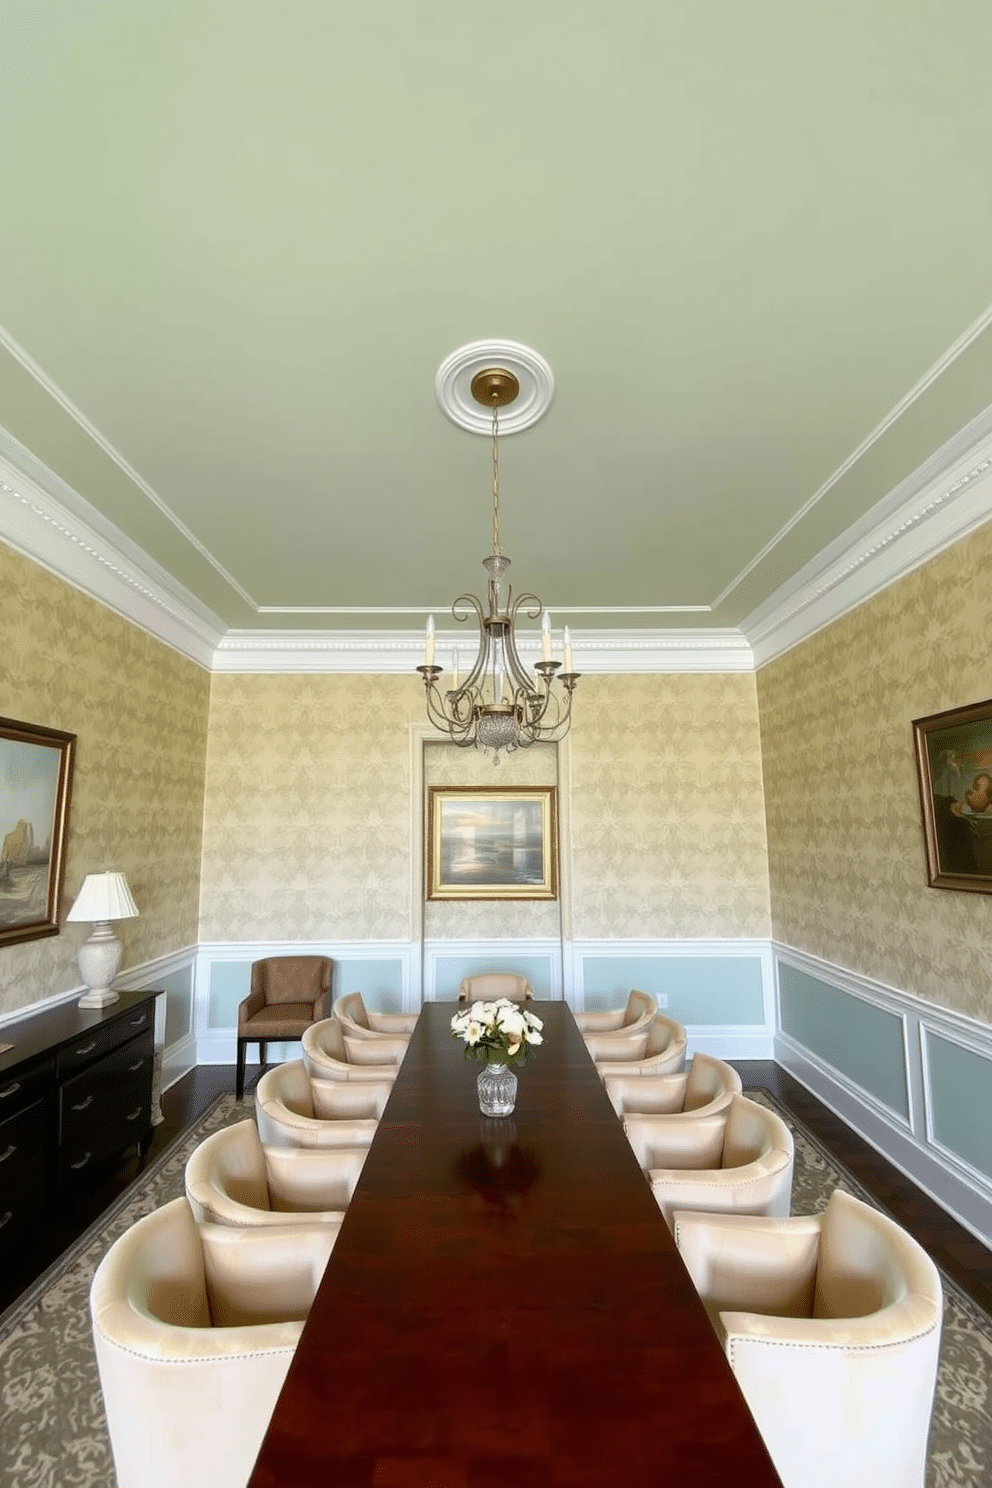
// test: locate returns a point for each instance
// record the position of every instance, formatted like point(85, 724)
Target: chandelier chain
point(496, 547)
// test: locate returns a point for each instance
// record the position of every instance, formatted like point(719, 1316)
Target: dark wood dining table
point(504, 1306)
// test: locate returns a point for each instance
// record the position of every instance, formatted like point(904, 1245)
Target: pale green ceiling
point(240, 239)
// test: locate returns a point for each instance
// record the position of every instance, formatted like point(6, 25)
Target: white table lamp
point(103, 897)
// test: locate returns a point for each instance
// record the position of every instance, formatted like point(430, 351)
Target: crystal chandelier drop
point(501, 705)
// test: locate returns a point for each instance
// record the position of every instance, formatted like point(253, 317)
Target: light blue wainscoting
point(857, 1038)
point(178, 1004)
point(380, 982)
point(960, 1090)
point(698, 990)
point(449, 970)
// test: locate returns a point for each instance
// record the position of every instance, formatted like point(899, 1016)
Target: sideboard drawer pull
point(134, 1114)
point(83, 1104)
point(9, 1153)
point(138, 1022)
point(82, 1161)
point(133, 1068)
point(86, 1049)
point(10, 1090)
point(7, 1216)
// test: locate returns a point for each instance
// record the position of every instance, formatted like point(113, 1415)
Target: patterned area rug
point(52, 1428)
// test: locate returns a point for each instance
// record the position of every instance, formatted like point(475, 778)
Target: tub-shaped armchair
point(231, 1178)
point(357, 1020)
point(740, 1159)
point(832, 1328)
point(704, 1088)
point(194, 1328)
point(292, 1110)
point(633, 1018)
point(657, 1050)
point(326, 1056)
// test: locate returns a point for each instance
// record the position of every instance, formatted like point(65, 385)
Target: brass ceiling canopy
point(520, 377)
point(495, 387)
point(501, 704)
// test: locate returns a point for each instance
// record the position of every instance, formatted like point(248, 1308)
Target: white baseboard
point(731, 1042)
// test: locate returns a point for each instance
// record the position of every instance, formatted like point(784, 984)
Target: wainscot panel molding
point(175, 1047)
point(701, 983)
point(722, 991)
point(942, 1138)
point(447, 961)
point(387, 973)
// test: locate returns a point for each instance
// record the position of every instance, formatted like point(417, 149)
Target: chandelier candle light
point(499, 1034)
point(500, 704)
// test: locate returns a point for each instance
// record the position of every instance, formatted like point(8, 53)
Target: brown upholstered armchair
point(287, 995)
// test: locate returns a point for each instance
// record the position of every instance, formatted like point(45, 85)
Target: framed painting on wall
point(954, 763)
point(486, 843)
point(35, 785)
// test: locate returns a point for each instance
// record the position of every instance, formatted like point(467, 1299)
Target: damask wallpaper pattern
point(668, 834)
point(306, 830)
point(845, 841)
point(307, 821)
point(140, 713)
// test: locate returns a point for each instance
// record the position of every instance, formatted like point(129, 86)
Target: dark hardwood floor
point(953, 1247)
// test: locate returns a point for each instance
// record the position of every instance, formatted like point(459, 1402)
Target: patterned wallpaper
point(140, 713)
point(668, 833)
point(306, 832)
point(491, 919)
point(846, 854)
point(307, 823)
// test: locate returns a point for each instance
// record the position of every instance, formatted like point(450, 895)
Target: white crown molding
point(947, 497)
point(46, 520)
point(398, 652)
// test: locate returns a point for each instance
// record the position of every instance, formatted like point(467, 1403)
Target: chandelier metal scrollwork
point(501, 704)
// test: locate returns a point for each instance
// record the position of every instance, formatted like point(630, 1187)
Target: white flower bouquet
point(499, 1032)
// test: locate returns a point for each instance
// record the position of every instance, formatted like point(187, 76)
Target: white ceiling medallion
point(453, 386)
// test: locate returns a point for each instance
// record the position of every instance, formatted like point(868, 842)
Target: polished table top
point(505, 1304)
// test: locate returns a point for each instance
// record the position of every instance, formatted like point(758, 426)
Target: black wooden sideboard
point(75, 1093)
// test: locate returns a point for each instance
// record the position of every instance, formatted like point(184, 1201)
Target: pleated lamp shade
point(103, 897)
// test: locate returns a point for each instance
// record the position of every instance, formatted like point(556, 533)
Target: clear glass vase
point(497, 1089)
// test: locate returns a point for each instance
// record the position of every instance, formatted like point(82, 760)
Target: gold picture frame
point(954, 765)
point(35, 786)
point(488, 843)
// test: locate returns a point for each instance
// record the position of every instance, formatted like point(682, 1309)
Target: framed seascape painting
point(492, 844)
point(35, 784)
point(954, 761)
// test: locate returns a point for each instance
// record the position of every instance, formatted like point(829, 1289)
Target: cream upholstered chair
point(640, 1009)
point(231, 1178)
point(293, 1110)
point(380, 1052)
point(287, 994)
point(326, 1057)
point(832, 1328)
point(195, 1327)
point(488, 986)
point(355, 1019)
point(739, 1159)
point(657, 1050)
point(706, 1087)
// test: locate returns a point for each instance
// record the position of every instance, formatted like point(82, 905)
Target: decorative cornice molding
point(947, 497)
point(398, 652)
point(43, 518)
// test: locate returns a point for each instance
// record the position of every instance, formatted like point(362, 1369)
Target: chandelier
point(500, 705)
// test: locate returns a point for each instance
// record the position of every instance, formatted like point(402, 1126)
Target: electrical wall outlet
point(662, 999)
